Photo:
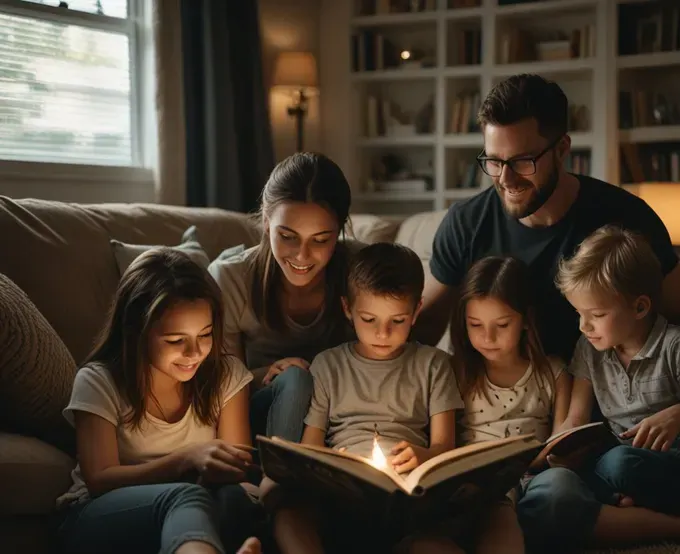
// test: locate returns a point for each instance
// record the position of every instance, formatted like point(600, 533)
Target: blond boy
point(628, 360)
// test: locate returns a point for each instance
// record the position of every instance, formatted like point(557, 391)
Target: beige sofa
point(59, 255)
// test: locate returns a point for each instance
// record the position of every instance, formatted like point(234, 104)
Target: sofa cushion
point(126, 253)
point(417, 232)
point(371, 228)
point(192, 234)
point(36, 371)
point(32, 475)
point(60, 253)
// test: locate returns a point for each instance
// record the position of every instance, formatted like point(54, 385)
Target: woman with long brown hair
point(282, 297)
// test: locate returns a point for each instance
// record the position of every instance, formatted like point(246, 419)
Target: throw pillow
point(36, 371)
point(126, 253)
point(191, 235)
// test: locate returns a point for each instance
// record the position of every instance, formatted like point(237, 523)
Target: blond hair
point(614, 261)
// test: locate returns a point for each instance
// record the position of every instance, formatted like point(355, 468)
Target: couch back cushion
point(60, 254)
point(417, 232)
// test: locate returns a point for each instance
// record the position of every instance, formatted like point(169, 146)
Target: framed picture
point(649, 34)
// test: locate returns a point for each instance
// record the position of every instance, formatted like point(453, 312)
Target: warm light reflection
point(378, 457)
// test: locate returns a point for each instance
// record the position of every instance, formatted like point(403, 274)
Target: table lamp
point(664, 199)
point(296, 70)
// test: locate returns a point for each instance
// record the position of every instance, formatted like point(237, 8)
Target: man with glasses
point(536, 211)
point(539, 212)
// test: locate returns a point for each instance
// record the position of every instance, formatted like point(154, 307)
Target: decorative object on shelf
point(297, 71)
point(424, 119)
point(579, 118)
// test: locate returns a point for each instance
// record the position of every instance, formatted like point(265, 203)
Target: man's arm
point(670, 296)
point(435, 315)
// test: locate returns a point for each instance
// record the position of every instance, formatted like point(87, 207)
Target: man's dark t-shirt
point(479, 227)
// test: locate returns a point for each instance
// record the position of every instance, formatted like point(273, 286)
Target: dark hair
point(527, 96)
point(153, 282)
point(386, 269)
point(302, 177)
point(506, 279)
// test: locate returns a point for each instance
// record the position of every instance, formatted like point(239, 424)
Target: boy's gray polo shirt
point(650, 384)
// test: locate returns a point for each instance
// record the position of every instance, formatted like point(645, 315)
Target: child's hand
point(656, 432)
point(282, 365)
point(408, 456)
point(219, 462)
point(574, 460)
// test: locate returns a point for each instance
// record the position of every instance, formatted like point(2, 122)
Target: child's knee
point(295, 381)
point(619, 463)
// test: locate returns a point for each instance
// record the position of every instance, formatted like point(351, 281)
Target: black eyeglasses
point(524, 166)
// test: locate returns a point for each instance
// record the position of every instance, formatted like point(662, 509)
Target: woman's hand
point(282, 365)
point(219, 462)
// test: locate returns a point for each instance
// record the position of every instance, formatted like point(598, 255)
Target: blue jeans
point(150, 519)
point(279, 409)
point(559, 507)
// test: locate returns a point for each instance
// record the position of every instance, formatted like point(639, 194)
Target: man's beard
point(539, 196)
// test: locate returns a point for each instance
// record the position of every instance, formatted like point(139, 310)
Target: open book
point(455, 481)
point(590, 440)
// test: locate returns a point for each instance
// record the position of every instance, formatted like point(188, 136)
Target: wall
point(289, 25)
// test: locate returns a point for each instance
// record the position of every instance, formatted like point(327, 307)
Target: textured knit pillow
point(126, 253)
point(36, 371)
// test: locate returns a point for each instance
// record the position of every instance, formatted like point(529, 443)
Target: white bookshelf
point(593, 81)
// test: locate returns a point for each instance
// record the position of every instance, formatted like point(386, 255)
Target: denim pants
point(280, 408)
point(151, 519)
point(559, 507)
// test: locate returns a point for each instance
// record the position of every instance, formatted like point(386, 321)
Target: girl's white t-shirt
point(95, 392)
point(501, 412)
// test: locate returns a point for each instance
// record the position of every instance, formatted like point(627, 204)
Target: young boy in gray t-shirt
point(407, 389)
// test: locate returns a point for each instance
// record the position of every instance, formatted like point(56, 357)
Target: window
point(70, 90)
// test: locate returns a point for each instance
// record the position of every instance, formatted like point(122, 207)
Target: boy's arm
point(314, 436)
point(442, 432)
point(580, 406)
point(563, 392)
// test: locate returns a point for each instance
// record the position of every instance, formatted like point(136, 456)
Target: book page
point(463, 458)
point(324, 451)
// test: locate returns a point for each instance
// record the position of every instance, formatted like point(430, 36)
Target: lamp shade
point(295, 69)
point(664, 199)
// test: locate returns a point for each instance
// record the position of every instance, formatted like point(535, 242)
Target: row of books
point(520, 45)
point(579, 162)
point(371, 51)
point(381, 7)
point(650, 162)
point(642, 108)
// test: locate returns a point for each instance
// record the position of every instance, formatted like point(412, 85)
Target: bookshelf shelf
point(463, 13)
point(463, 140)
point(396, 74)
point(547, 7)
point(462, 51)
point(394, 19)
point(546, 68)
point(417, 140)
point(656, 59)
point(384, 196)
point(462, 71)
point(581, 139)
point(658, 133)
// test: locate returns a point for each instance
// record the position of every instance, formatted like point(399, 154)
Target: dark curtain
point(229, 151)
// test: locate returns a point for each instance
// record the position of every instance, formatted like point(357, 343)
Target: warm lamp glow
point(405, 54)
point(378, 458)
point(664, 199)
point(295, 69)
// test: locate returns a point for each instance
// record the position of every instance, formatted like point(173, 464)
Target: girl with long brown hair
point(509, 386)
point(161, 419)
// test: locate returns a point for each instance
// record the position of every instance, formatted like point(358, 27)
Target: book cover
point(594, 438)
